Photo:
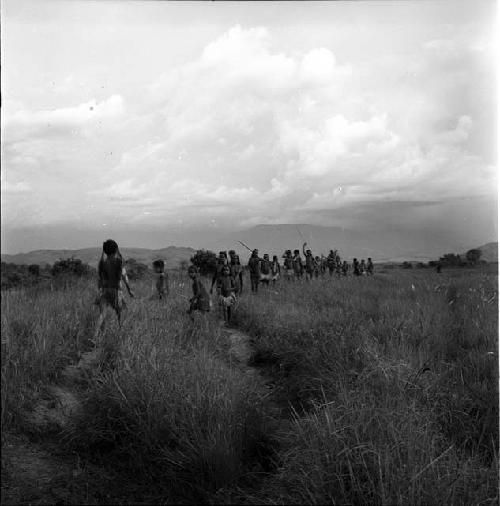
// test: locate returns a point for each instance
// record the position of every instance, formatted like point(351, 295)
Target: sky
point(172, 121)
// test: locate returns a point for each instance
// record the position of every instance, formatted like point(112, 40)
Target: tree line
point(19, 275)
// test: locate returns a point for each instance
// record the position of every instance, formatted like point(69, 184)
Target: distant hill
point(382, 246)
point(489, 252)
point(172, 255)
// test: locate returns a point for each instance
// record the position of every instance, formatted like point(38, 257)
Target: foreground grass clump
point(394, 382)
point(42, 331)
point(354, 453)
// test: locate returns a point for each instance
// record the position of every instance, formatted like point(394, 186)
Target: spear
point(301, 236)
point(243, 244)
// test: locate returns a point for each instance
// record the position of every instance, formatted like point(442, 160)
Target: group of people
point(309, 267)
point(227, 279)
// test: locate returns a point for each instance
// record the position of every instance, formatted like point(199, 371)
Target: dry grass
point(393, 380)
point(395, 383)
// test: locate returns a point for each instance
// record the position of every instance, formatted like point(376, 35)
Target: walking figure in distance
point(275, 269)
point(221, 262)
point(112, 277)
point(345, 268)
point(160, 285)
point(331, 262)
point(236, 271)
point(265, 270)
point(362, 267)
point(310, 262)
point(369, 267)
point(288, 265)
point(355, 267)
point(254, 268)
point(298, 266)
point(200, 301)
point(227, 297)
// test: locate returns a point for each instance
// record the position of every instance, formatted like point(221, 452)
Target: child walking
point(200, 301)
point(160, 283)
point(227, 297)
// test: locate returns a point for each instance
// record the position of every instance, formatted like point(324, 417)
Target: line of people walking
point(227, 279)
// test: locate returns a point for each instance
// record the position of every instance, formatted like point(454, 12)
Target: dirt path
point(241, 351)
point(61, 401)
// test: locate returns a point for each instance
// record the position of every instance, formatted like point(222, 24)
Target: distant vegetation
point(62, 271)
point(70, 267)
point(205, 260)
point(470, 259)
point(15, 276)
point(135, 270)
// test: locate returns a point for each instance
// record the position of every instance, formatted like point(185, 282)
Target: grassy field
point(392, 383)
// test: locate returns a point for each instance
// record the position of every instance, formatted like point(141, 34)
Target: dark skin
point(230, 287)
point(118, 310)
point(254, 280)
point(221, 261)
point(235, 260)
point(308, 255)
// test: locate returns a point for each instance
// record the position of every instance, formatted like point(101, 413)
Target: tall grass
point(395, 385)
point(171, 408)
point(392, 382)
point(162, 402)
point(42, 331)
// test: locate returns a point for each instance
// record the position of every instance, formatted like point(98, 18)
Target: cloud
point(68, 120)
point(245, 131)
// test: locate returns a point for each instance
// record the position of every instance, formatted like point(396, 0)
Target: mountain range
point(381, 246)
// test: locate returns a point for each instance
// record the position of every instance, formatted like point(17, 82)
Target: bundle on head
point(159, 264)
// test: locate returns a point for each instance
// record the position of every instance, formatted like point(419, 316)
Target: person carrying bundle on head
point(298, 267)
point(254, 268)
point(200, 301)
point(275, 269)
point(112, 275)
point(288, 264)
point(310, 262)
point(227, 296)
point(160, 283)
point(265, 270)
point(236, 271)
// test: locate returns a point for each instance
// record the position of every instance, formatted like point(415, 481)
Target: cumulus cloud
point(247, 132)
